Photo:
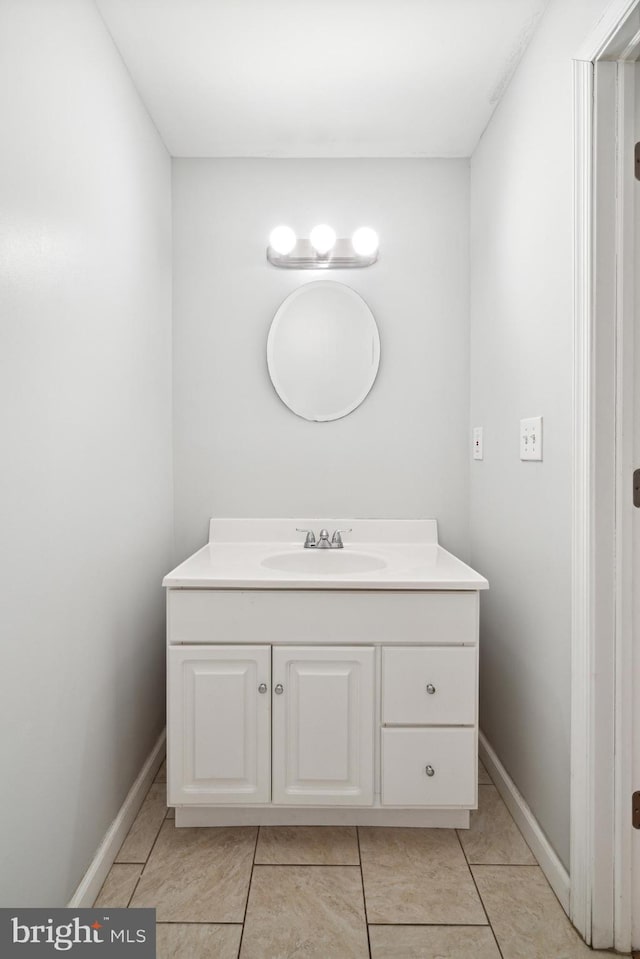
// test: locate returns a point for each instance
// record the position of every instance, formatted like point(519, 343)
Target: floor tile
point(171, 813)
point(432, 942)
point(315, 912)
point(119, 885)
point(198, 875)
point(177, 940)
point(417, 876)
point(162, 773)
point(526, 917)
point(308, 845)
point(493, 837)
point(142, 835)
point(484, 779)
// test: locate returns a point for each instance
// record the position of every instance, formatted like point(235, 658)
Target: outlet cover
point(478, 453)
point(531, 438)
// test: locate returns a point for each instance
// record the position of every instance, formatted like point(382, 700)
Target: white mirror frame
point(358, 397)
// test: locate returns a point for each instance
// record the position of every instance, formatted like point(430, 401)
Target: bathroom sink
point(324, 561)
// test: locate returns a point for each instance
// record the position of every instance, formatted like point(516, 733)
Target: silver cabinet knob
point(431, 689)
point(262, 688)
point(279, 689)
point(430, 771)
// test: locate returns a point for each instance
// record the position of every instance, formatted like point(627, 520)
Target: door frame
point(602, 635)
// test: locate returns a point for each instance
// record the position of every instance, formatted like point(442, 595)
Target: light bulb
point(365, 241)
point(282, 240)
point(322, 238)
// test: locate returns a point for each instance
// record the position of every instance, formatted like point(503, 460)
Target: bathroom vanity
point(322, 686)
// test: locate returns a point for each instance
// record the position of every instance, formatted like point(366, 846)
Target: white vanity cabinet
point(380, 726)
point(322, 687)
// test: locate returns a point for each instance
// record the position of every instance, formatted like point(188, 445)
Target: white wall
point(521, 365)
point(238, 450)
point(85, 482)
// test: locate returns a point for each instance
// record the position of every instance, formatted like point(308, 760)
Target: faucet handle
point(336, 539)
point(310, 539)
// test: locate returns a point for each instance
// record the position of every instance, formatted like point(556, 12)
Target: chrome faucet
point(323, 539)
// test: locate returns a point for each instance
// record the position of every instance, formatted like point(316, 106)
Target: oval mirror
point(323, 351)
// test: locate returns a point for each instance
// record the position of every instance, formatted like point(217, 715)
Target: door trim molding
point(611, 25)
point(601, 716)
point(582, 632)
point(626, 426)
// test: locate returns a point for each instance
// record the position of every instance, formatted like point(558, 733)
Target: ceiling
point(337, 78)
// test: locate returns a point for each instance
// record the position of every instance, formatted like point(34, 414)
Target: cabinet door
point(219, 729)
point(323, 723)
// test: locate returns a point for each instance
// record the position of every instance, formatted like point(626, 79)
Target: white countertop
point(233, 557)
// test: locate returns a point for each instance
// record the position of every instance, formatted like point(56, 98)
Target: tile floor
point(340, 892)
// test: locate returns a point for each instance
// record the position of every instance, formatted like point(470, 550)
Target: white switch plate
point(477, 443)
point(531, 438)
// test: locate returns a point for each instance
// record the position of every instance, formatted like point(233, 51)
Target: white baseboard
point(94, 877)
point(527, 824)
point(324, 816)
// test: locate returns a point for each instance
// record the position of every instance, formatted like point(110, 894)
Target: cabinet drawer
point(429, 686)
point(450, 754)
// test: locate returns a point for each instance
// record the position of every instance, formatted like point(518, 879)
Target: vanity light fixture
point(323, 250)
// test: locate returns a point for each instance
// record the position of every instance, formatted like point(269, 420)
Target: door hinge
point(635, 807)
point(636, 487)
point(637, 159)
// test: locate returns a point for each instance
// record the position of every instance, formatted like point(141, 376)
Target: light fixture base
point(304, 257)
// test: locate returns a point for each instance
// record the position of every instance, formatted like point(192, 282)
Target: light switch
point(531, 438)
point(477, 443)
